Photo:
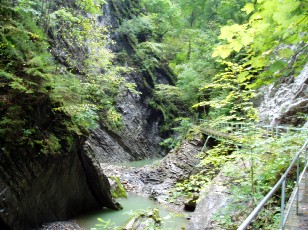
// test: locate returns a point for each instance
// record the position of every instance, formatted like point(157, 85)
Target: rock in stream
point(157, 180)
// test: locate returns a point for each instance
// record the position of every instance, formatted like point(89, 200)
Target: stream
point(140, 163)
point(131, 205)
point(134, 203)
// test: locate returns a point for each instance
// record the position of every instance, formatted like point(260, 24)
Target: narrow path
point(221, 135)
point(297, 218)
point(300, 221)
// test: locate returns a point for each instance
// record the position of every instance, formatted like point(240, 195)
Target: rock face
point(139, 138)
point(157, 180)
point(148, 220)
point(282, 102)
point(175, 167)
point(212, 198)
point(38, 188)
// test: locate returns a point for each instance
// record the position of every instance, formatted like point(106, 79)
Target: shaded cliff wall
point(37, 187)
point(139, 137)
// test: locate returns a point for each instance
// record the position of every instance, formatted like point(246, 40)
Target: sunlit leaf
point(249, 7)
point(278, 65)
point(285, 53)
point(223, 51)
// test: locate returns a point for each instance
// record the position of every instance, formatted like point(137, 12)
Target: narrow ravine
point(149, 183)
point(132, 205)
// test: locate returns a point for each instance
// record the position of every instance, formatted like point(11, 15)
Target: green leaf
point(242, 76)
point(258, 62)
point(100, 220)
point(248, 8)
point(16, 85)
point(285, 53)
point(246, 39)
point(236, 45)
point(278, 65)
point(223, 51)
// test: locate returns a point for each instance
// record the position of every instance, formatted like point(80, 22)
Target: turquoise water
point(131, 204)
point(140, 163)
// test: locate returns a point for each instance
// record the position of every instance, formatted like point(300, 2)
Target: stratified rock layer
point(287, 101)
point(157, 180)
point(139, 137)
point(212, 198)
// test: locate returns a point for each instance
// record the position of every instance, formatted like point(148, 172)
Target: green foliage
point(230, 97)
point(137, 29)
point(119, 191)
point(191, 186)
point(149, 55)
point(169, 100)
point(252, 175)
point(30, 76)
point(94, 94)
point(211, 163)
point(105, 224)
point(217, 156)
point(90, 6)
point(51, 145)
point(188, 32)
point(180, 133)
point(273, 27)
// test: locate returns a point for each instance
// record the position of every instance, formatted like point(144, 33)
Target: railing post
point(276, 132)
point(305, 164)
point(297, 184)
point(283, 190)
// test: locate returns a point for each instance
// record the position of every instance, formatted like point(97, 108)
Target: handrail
point(274, 131)
point(241, 127)
point(282, 182)
point(247, 124)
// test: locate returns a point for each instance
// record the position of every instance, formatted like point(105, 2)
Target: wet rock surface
point(156, 180)
point(212, 198)
point(49, 188)
point(283, 101)
point(146, 220)
point(37, 188)
point(139, 137)
point(61, 225)
point(136, 140)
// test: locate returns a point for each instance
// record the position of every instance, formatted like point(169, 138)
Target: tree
point(274, 34)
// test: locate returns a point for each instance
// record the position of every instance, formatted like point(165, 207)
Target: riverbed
point(131, 205)
point(134, 203)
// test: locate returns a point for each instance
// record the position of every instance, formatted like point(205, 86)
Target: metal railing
point(240, 128)
point(282, 183)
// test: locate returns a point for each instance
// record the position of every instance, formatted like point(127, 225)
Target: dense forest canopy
point(255, 42)
point(222, 50)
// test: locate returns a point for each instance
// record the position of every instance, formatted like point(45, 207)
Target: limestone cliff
point(139, 138)
point(286, 101)
point(43, 186)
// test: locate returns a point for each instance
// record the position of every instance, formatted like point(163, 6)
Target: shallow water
point(132, 204)
point(140, 163)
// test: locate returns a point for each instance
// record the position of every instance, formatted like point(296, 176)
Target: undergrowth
point(252, 168)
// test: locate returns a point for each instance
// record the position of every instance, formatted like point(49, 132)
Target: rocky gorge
point(44, 190)
point(37, 189)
